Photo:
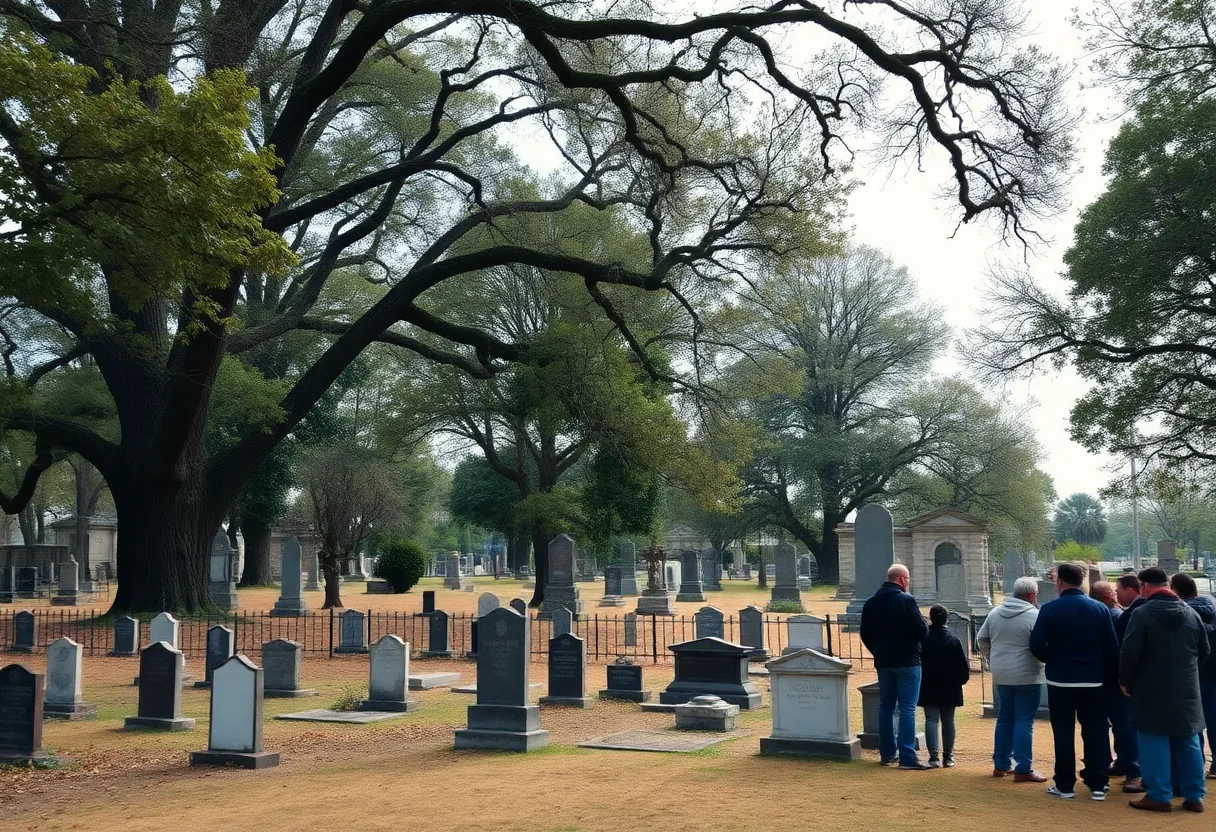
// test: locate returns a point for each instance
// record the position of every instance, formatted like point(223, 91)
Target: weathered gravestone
point(281, 662)
point(751, 632)
point(439, 637)
point(126, 636)
point(567, 672)
point(502, 718)
point(563, 622)
point(747, 571)
point(486, 602)
point(64, 695)
point(627, 557)
point(388, 679)
point(874, 553)
point(612, 588)
point(234, 731)
point(625, 682)
point(1167, 556)
point(160, 690)
point(27, 581)
point(1048, 591)
point(451, 573)
point(519, 605)
point(711, 571)
point(69, 584)
point(706, 713)
point(313, 561)
point(691, 588)
point(810, 707)
point(223, 572)
point(428, 602)
point(352, 632)
point(869, 719)
point(25, 632)
point(291, 598)
point(1012, 568)
point(711, 666)
point(21, 691)
point(709, 623)
point(220, 647)
point(560, 591)
point(785, 585)
point(804, 631)
point(631, 629)
point(164, 627)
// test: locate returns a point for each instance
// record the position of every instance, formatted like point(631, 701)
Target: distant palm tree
point(1082, 518)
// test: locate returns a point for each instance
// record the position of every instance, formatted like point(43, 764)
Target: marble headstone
point(709, 623)
point(388, 679)
point(691, 587)
point(291, 599)
point(785, 585)
point(804, 631)
point(352, 632)
point(560, 591)
point(234, 731)
point(281, 663)
point(810, 707)
point(627, 557)
point(64, 694)
point(874, 553)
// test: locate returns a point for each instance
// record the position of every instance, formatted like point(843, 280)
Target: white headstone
point(487, 602)
point(163, 628)
point(63, 672)
point(236, 707)
point(810, 697)
point(220, 547)
point(390, 670)
point(804, 631)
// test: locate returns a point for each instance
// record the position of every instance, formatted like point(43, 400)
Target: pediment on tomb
point(809, 660)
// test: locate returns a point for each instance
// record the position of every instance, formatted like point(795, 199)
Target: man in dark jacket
point(1159, 669)
point(1118, 706)
point(892, 629)
point(1075, 639)
point(1184, 587)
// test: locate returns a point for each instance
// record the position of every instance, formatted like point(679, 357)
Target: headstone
point(691, 588)
point(656, 599)
point(291, 599)
point(519, 605)
point(612, 588)
point(785, 586)
point(451, 574)
point(313, 584)
point(487, 602)
point(223, 572)
point(160, 690)
point(711, 666)
point(389, 675)
point(234, 731)
point(874, 553)
point(21, 692)
point(709, 623)
point(560, 591)
point(711, 571)
point(25, 632)
point(804, 572)
point(352, 632)
point(563, 622)
point(951, 579)
point(706, 713)
point(220, 648)
point(751, 632)
point(428, 601)
point(281, 661)
point(64, 699)
point(126, 636)
point(164, 627)
point(1048, 591)
point(27, 582)
point(439, 643)
point(502, 718)
point(627, 557)
point(625, 682)
point(567, 672)
point(69, 584)
point(747, 571)
point(673, 575)
point(804, 631)
point(1167, 556)
point(810, 694)
point(631, 629)
point(869, 719)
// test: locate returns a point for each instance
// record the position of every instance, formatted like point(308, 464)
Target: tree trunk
point(29, 528)
point(827, 555)
point(762, 575)
point(540, 552)
point(257, 552)
point(165, 544)
point(330, 571)
point(84, 488)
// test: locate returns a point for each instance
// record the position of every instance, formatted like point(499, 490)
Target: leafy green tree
point(1081, 518)
point(1071, 550)
point(482, 496)
point(312, 168)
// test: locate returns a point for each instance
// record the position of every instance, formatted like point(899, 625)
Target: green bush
point(401, 563)
point(784, 606)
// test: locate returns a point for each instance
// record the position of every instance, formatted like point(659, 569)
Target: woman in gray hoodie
point(1017, 680)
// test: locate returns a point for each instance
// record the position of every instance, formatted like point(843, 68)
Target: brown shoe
point(1029, 777)
point(1150, 805)
point(1001, 772)
point(1133, 785)
point(1193, 806)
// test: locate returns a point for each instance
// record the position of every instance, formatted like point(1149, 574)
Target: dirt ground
point(402, 772)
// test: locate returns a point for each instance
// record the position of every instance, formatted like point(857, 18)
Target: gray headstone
point(63, 660)
point(627, 557)
point(691, 588)
point(1012, 569)
point(451, 573)
point(236, 707)
point(874, 542)
point(219, 558)
point(709, 623)
point(519, 605)
point(164, 627)
point(502, 659)
point(21, 692)
point(751, 631)
point(486, 603)
point(563, 622)
point(281, 660)
point(160, 682)
point(804, 631)
point(220, 647)
point(1167, 556)
point(389, 674)
point(352, 632)
point(560, 590)
point(291, 599)
point(25, 632)
point(439, 633)
point(631, 629)
point(567, 667)
point(612, 580)
point(126, 636)
point(785, 585)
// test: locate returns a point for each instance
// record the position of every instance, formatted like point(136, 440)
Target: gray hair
point(1025, 587)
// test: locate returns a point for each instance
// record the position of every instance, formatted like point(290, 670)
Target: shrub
point(784, 606)
point(350, 699)
point(401, 563)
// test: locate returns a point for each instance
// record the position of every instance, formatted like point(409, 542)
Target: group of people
point(1129, 660)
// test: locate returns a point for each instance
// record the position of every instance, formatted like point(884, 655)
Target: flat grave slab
point(347, 717)
point(472, 688)
point(670, 741)
point(428, 681)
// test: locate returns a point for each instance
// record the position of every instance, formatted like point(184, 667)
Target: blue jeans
point(1155, 766)
point(1207, 690)
point(1016, 707)
point(898, 687)
point(1119, 713)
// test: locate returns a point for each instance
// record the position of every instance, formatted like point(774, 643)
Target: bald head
point(1103, 591)
point(898, 575)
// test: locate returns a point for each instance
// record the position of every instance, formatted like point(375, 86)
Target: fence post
point(828, 627)
point(331, 632)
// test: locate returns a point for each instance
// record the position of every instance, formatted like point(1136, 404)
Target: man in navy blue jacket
point(1074, 638)
point(892, 629)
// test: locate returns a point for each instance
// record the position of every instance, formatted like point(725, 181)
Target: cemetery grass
point(383, 775)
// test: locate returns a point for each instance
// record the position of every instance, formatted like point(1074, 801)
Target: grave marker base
point(746, 701)
point(503, 727)
point(39, 759)
point(179, 724)
point(437, 654)
point(388, 706)
point(626, 695)
point(566, 701)
point(65, 600)
point(288, 694)
point(429, 681)
point(74, 711)
point(235, 759)
point(691, 596)
point(612, 601)
point(826, 749)
point(350, 650)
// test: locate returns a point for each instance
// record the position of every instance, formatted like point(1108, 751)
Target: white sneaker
point(1052, 790)
point(1098, 795)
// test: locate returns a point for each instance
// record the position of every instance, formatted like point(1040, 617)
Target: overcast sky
point(900, 213)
